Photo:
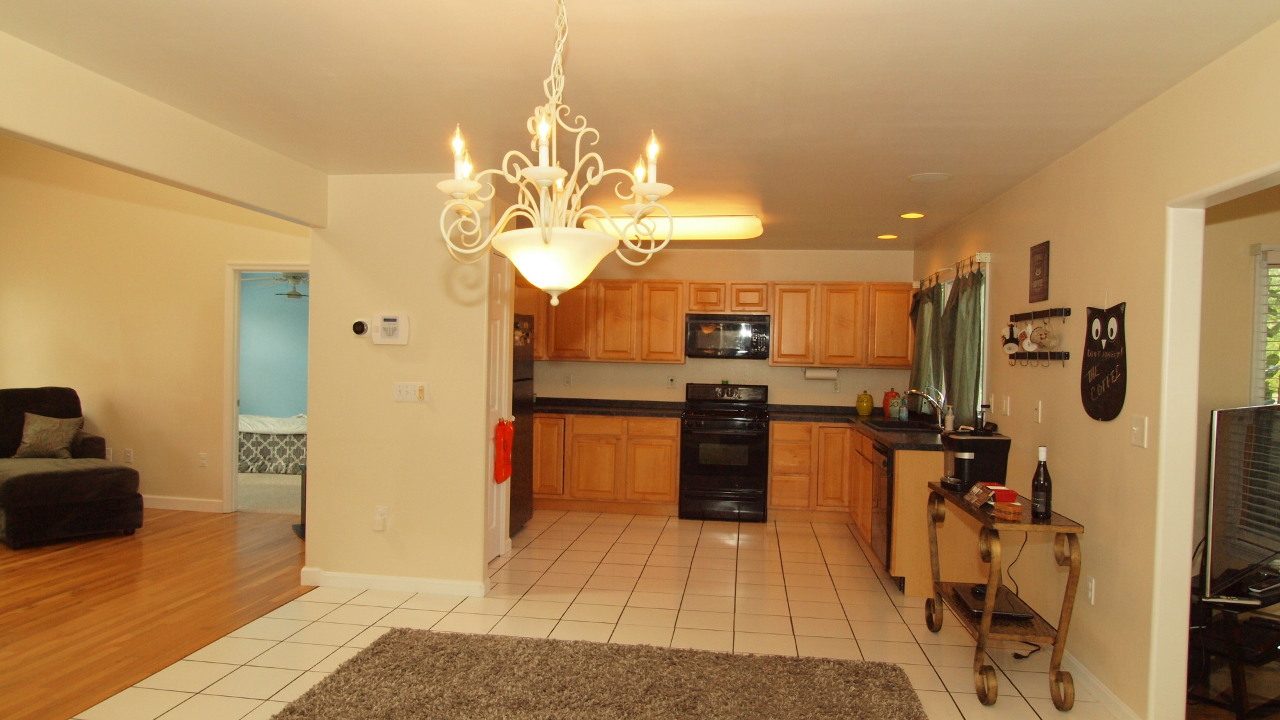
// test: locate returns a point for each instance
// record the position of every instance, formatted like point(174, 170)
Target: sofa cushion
point(15, 403)
point(27, 482)
point(46, 437)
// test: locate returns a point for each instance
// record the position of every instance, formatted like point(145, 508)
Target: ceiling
point(812, 113)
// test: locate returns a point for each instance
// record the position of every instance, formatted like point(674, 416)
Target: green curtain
point(929, 366)
point(963, 345)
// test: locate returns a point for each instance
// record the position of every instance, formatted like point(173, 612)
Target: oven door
point(724, 459)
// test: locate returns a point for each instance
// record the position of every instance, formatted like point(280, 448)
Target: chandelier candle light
point(555, 254)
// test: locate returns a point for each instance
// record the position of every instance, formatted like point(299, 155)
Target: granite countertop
point(783, 413)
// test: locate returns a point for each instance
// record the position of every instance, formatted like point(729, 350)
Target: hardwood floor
point(83, 620)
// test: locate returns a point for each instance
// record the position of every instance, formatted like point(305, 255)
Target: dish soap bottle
point(1041, 489)
point(891, 404)
point(865, 404)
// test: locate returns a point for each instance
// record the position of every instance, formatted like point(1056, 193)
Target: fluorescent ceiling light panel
point(694, 227)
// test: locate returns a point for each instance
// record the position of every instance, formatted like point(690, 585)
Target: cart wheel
point(984, 679)
point(1063, 689)
point(933, 614)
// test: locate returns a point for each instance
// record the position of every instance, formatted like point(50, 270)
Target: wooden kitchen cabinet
point(810, 465)
point(596, 457)
point(790, 465)
point(842, 324)
point(713, 297)
point(890, 342)
point(662, 321)
point(794, 309)
point(606, 463)
point(861, 500)
point(617, 336)
point(913, 470)
point(571, 325)
point(653, 459)
point(548, 455)
point(834, 464)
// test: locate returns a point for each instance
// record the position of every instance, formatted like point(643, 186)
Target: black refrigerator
point(521, 481)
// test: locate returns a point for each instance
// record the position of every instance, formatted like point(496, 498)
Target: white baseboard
point(165, 502)
point(1082, 678)
point(323, 578)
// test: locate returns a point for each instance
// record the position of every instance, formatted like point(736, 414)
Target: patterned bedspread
point(272, 453)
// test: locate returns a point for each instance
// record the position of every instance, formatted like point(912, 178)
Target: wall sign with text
point(1104, 369)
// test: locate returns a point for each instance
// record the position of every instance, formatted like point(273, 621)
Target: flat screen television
point(1242, 539)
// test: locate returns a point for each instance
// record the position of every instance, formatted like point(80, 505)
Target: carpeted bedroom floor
point(269, 493)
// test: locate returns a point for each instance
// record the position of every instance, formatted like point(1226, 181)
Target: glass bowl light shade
point(562, 262)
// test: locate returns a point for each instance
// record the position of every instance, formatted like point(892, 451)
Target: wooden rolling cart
point(986, 626)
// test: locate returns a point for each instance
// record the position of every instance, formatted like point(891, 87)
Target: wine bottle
point(1041, 489)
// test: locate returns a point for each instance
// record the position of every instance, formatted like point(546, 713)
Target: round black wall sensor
point(360, 327)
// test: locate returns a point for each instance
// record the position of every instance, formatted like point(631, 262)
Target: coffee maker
point(972, 456)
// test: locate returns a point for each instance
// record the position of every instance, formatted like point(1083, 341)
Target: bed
point(273, 444)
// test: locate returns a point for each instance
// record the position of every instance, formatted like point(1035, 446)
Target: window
point(1266, 333)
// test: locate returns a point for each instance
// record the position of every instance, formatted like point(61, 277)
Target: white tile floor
point(785, 588)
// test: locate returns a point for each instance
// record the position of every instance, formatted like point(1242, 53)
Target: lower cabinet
point(861, 501)
point(626, 464)
point(810, 467)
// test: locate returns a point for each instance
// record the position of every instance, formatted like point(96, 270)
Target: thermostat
point(391, 330)
point(360, 327)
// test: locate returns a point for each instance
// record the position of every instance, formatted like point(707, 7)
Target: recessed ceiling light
point(911, 215)
point(886, 237)
point(930, 177)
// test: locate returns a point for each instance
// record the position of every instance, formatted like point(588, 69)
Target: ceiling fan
point(294, 279)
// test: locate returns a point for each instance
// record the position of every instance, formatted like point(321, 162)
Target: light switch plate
point(1138, 430)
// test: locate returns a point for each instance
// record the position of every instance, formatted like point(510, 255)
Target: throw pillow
point(46, 437)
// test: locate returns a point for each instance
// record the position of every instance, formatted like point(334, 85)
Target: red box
point(1002, 494)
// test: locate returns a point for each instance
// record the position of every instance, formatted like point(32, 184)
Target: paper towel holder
point(821, 374)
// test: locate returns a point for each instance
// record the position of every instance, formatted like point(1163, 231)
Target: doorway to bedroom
point(271, 382)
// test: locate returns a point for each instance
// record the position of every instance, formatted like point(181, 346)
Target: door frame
point(230, 459)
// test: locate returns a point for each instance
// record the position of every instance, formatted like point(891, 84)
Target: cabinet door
point(862, 513)
point(548, 455)
point(662, 321)
point(842, 330)
point(617, 308)
point(595, 463)
point(832, 477)
point(793, 315)
point(571, 325)
point(707, 297)
point(749, 297)
point(890, 342)
point(651, 471)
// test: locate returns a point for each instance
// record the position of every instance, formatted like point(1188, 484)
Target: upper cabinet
point(613, 321)
point(842, 324)
point(712, 297)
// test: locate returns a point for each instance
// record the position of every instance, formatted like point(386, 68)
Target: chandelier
point(540, 233)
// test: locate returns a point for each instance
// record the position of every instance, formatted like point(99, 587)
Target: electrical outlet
point(1039, 411)
point(410, 391)
point(202, 459)
point(128, 455)
point(1089, 588)
point(671, 382)
point(1007, 410)
point(568, 380)
point(835, 386)
point(380, 514)
point(108, 458)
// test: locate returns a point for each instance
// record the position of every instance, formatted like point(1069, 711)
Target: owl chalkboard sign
point(1104, 371)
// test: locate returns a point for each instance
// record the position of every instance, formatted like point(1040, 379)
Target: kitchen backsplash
point(649, 381)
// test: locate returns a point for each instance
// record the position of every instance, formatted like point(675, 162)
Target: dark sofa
point(43, 499)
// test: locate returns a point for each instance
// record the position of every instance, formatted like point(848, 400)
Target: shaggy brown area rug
point(412, 674)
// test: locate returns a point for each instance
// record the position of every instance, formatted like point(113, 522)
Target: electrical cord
point(1009, 571)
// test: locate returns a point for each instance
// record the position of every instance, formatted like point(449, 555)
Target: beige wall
point(1103, 208)
point(424, 461)
point(63, 105)
point(640, 381)
point(116, 286)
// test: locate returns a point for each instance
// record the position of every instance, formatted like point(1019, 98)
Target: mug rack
point(1036, 358)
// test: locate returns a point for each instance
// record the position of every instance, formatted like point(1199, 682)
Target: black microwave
point(727, 336)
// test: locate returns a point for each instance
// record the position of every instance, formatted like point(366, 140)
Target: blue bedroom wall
point(273, 348)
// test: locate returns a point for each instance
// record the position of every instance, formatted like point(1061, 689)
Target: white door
point(497, 497)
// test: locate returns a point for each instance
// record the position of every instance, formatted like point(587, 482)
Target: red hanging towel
point(503, 434)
